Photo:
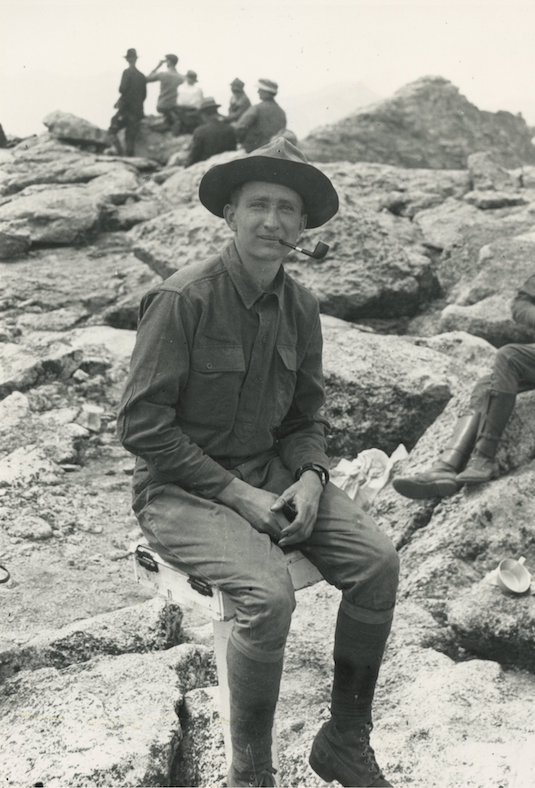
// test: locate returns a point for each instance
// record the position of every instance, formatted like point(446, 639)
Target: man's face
point(261, 214)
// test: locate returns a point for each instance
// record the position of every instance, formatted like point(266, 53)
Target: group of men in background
point(186, 110)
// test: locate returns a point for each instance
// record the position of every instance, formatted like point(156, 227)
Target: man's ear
point(303, 224)
point(229, 212)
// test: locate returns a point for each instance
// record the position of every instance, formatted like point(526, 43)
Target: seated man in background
point(169, 81)
point(223, 409)
point(239, 101)
point(212, 136)
point(476, 436)
point(261, 122)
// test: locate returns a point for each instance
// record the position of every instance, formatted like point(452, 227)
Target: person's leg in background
point(132, 125)
point(116, 124)
point(513, 371)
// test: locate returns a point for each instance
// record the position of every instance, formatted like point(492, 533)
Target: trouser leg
point(356, 557)
point(130, 135)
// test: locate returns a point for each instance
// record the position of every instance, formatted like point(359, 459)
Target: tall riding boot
point(441, 480)
point(254, 690)
point(341, 749)
point(481, 467)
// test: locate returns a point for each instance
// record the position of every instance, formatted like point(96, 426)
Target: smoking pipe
point(319, 252)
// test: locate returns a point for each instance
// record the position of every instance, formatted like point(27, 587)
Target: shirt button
point(209, 365)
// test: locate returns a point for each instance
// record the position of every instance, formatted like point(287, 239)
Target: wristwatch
point(322, 472)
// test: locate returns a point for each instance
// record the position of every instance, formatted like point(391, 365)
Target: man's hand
point(255, 506)
point(304, 496)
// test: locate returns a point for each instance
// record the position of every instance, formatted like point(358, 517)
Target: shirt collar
point(249, 290)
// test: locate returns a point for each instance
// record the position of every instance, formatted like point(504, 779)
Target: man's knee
point(264, 612)
point(274, 599)
point(506, 356)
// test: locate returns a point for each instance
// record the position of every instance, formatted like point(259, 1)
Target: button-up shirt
point(221, 373)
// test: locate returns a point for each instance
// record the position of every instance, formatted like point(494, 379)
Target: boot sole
point(419, 491)
point(473, 480)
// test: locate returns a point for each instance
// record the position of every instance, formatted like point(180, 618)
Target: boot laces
point(368, 754)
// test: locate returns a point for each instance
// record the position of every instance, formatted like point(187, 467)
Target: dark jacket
point(259, 124)
point(210, 138)
point(133, 90)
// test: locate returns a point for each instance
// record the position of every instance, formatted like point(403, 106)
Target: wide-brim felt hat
point(209, 103)
point(130, 53)
point(277, 162)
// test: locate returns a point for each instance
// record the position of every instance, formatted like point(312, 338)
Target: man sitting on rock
point(239, 101)
point(212, 136)
point(223, 409)
point(476, 436)
point(261, 122)
point(169, 81)
point(133, 92)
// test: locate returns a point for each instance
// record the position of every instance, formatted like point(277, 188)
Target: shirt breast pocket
point(286, 361)
point(214, 384)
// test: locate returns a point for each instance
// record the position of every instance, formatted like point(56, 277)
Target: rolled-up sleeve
point(302, 433)
point(146, 424)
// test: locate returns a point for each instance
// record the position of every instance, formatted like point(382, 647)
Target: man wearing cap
point(239, 101)
point(169, 81)
point(129, 106)
point(223, 409)
point(212, 136)
point(261, 122)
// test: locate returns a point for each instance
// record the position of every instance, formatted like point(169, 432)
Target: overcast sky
point(67, 54)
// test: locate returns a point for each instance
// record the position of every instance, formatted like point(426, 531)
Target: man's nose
point(271, 218)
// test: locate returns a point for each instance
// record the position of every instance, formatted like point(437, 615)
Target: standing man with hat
point(129, 106)
point(169, 81)
point(239, 101)
point(223, 409)
point(212, 136)
point(261, 122)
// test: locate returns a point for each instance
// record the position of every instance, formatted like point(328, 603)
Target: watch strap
point(322, 472)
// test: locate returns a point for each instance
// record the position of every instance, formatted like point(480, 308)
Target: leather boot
point(441, 480)
point(482, 467)
point(346, 757)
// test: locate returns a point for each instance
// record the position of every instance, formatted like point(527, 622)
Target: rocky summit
point(427, 123)
point(103, 684)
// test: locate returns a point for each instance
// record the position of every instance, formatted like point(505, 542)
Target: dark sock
point(254, 691)
point(358, 653)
